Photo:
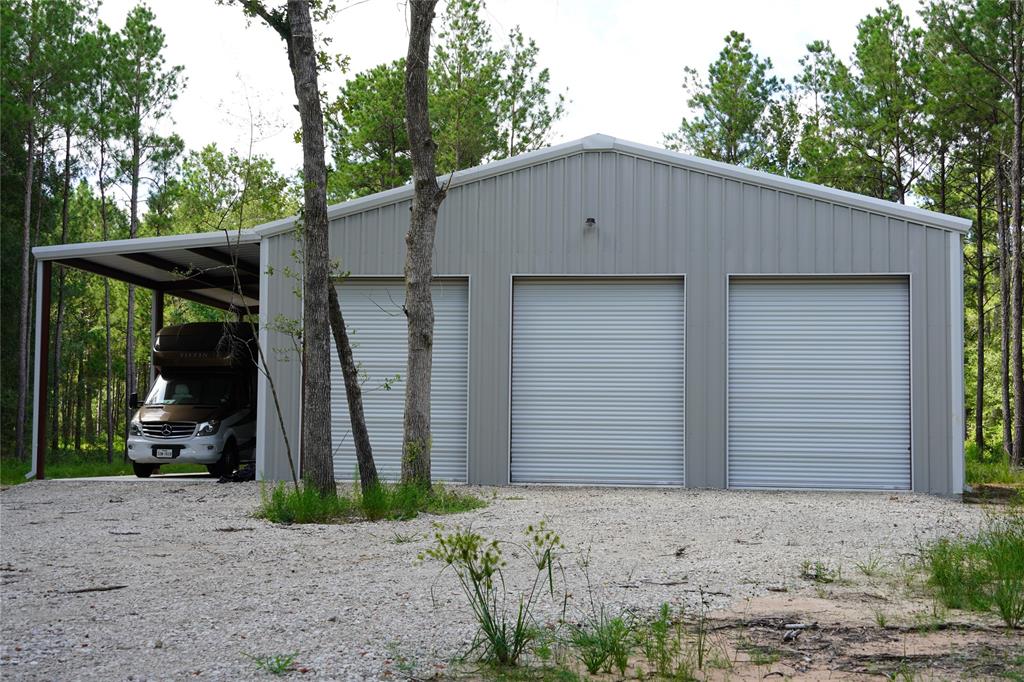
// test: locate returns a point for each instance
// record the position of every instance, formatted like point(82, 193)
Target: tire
point(225, 466)
point(144, 470)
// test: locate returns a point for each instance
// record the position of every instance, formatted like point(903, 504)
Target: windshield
point(211, 389)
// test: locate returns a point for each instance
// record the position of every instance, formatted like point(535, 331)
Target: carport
point(196, 267)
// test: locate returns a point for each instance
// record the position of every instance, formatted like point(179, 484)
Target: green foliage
point(730, 105)
point(984, 572)
point(87, 464)
point(990, 465)
point(486, 102)
point(286, 504)
point(505, 625)
point(275, 664)
point(603, 643)
point(819, 572)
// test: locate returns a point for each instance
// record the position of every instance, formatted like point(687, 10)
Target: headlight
point(135, 428)
point(208, 428)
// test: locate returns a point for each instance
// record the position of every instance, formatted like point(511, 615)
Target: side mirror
point(133, 401)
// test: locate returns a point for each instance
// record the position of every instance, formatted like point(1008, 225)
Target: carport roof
point(196, 267)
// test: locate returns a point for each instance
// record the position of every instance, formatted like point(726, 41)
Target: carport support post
point(42, 361)
point(156, 323)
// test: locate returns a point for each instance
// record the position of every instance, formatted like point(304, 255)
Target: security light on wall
point(590, 222)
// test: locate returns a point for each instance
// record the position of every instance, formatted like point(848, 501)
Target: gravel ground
point(205, 584)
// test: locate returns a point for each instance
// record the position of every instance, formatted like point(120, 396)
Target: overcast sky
point(620, 62)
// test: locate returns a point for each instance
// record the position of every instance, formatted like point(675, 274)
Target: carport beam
point(42, 362)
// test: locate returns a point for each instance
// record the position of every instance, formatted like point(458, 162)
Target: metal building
point(611, 313)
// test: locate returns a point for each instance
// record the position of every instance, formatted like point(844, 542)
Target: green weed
point(276, 664)
point(990, 466)
point(984, 572)
point(603, 643)
point(819, 572)
point(871, 566)
point(505, 624)
point(286, 504)
point(85, 464)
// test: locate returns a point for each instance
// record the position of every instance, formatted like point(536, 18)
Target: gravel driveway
point(204, 584)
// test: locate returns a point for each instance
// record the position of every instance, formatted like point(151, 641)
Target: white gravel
point(347, 598)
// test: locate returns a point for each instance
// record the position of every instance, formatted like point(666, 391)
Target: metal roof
point(598, 143)
point(197, 267)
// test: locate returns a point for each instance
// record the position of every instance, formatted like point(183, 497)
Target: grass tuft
point(984, 572)
point(277, 664)
point(990, 466)
point(285, 504)
point(86, 464)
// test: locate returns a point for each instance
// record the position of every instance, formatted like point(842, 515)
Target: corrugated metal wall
point(378, 333)
point(655, 217)
point(598, 381)
point(819, 383)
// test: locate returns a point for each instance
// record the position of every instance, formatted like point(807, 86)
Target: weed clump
point(983, 572)
point(287, 504)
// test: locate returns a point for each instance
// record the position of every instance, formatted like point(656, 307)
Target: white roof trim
point(114, 247)
point(607, 143)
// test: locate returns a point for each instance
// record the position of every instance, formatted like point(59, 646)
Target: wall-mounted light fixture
point(590, 222)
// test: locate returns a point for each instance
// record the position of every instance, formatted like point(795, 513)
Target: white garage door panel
point(377, 329)
point(819, 384)
point(598, 382)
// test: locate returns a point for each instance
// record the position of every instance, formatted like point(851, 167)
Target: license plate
point(163, 453)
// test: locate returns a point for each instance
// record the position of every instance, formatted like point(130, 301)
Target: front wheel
point(143, 470)
point(225, 466)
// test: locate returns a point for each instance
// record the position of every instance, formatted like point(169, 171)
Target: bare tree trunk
point(26, 247)
point(106, 310)
point(979, 388)
point(1002, 221)
point(316, 344)
point(79, 399)
point(133, 231)
point(1016, 237)
point(419, 257)
point(354, 392)
point(61, 282)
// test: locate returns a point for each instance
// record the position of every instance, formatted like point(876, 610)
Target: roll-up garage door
point(598, 381)
point(377, 330)
point(819, 384)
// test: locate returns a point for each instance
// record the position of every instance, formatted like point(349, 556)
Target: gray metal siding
point(378, 333)
point(279, 303)
point(660, 218)
point(819, 383)
point(598, 381)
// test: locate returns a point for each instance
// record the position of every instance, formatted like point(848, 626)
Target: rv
point(201, 408)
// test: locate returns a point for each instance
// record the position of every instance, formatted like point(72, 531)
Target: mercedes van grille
point(168, 429)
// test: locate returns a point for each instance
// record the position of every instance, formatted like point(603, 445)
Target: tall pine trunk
point(58, 335)
point(1016, 237)
point(1002, 221)
point(79, 400)
point(106, 310)
point(133, 230)
point(419, 255)
point(979, 388)
point(26, 248)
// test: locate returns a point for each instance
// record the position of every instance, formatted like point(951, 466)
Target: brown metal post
point(44, 368)
point(156, 323)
